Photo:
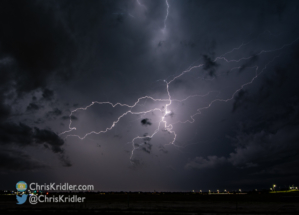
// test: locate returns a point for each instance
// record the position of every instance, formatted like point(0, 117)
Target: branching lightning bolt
point(163, 123)
point(169, 100)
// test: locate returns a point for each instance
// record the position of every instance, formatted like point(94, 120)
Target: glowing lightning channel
point(167, 11)
point(261, 52)
point(169, 100)
point(233, 95)
point(142, 5)
point(113, 105)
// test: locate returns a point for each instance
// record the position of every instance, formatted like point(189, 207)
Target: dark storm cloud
point(147, 147)
point(39, 121)
point(48, 94)
point(202, 163)
point(49, 137)
point(266, 138)
point(55, 112)
point(22, 135)
point(32, 107)
point(265, 149)
point(13, 160)
point(39, 45)
point(16, 133)
point(146, 122)
point(209, 65)
point(262, 151)
point(37, 49)
point(135, 162)
point(4, 110)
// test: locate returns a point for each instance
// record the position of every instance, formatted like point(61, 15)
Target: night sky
point(217, 83)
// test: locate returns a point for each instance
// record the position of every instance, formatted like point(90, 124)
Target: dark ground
point(162, 203)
